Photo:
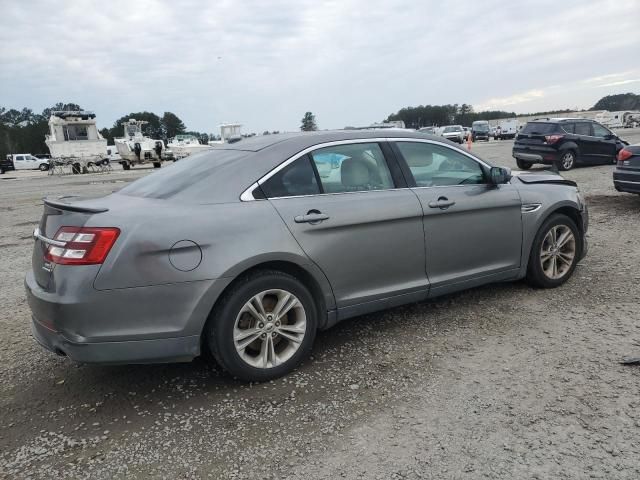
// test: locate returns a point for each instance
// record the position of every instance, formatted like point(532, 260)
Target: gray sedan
point(248, 249)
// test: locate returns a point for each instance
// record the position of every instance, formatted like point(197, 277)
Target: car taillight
point(624, 154)
point(82, 245)
point(551, 139)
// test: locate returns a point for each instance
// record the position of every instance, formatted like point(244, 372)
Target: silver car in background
point(248, 249)
point(455, 133)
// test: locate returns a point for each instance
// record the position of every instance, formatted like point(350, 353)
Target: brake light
point(624, 154)
point(83, 246)
point(551, 139)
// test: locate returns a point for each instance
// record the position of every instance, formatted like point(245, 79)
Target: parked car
point(507, 129)
point(24, 161)
point(480, 130)
point(626, 176)
point(565, 142)
point(455, 133)
point(429, 130)
point(247, 250)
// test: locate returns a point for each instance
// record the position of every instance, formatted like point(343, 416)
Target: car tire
point(43, 167)
point(271, 353)
point(157, 165)
point(551, 263)
point(567, 161)
point(126, 166)
point(522, 165)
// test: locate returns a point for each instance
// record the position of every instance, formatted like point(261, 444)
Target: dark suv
point(565, 142)
point(6, 164)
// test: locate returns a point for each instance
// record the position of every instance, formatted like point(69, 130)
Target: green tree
point(308, 122)
point(153, 128)
point(172, 125)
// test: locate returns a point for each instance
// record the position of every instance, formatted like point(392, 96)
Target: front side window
point(600, 131)
point(352, 168)
point(583, 128)
point(297, 178)
point(434, 165)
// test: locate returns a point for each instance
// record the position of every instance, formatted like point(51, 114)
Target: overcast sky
point(351, 62)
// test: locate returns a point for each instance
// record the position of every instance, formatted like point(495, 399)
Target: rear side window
point(583, 128)
point(569, 127)
point(539, 128)
point(352, 168)
point(297, 178)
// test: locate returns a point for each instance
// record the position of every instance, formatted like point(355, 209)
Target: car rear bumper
point(161, 323)
point(536, 156)
point(125, 352)
point(626, 181)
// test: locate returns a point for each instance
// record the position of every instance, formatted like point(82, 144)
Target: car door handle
point(311, 217)
point(443, 203)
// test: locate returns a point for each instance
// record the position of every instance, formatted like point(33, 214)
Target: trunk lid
point(60, 212)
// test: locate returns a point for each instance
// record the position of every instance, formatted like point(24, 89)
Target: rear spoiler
point(60, 204)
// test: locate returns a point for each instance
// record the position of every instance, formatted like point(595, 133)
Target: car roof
point(303, 140)
point(239, 165)
point(560, 119)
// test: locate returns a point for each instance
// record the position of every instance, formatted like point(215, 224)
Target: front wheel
point(263, 327)
point(555, 252)
point(43, 167)
point(567, 161)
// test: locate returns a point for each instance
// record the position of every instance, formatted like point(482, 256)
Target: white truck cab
point(26, 161)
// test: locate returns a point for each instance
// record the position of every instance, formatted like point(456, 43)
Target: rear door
point(473, 230)
point(344, 206)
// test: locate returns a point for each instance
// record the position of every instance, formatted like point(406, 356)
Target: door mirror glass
point(500, 175)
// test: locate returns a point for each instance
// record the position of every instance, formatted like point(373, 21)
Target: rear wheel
point(522, 165)
point(126, 166)
point(263, 327)
point(567, 160)
point(554, 253)
point(157, 164)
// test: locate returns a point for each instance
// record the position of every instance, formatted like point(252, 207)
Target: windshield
point(452, 129)
point(192, 177)
point(483, 127)
point(539, 128)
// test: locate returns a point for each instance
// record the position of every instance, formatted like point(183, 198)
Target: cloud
point(351, 62)
point(517, 99)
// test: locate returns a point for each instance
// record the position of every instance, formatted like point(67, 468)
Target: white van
point(26, 161)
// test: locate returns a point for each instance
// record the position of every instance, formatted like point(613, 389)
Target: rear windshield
point(193, 176)
point(539, 128)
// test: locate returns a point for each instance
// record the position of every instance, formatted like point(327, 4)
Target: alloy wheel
point(269, 328)
point(568, 160)
point(558, 252)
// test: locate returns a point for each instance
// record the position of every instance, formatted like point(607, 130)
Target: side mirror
point(500, 175)
point(610, 136)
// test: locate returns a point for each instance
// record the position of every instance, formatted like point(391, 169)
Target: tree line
point(437, 115)
point(23, 131)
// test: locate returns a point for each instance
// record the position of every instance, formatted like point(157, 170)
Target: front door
point(343, 206)
point(605, 148)
point(473, 229)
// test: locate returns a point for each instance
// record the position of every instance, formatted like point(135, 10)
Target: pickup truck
point(23, 161)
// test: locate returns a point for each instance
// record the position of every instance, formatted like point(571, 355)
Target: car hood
point(546, 177)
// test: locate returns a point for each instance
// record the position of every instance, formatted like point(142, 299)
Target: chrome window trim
point(247, 194)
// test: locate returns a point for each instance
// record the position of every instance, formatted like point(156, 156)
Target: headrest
point(355, 172)
point(417, 155)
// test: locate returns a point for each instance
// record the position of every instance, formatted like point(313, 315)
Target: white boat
point(229, 133)
point(134, 148)
point(185, 145)
point(74, 138)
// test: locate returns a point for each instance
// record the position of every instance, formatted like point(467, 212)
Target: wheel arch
point(307, 273)
point(567, 208)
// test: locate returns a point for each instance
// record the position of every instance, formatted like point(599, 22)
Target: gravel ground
point(498, 382)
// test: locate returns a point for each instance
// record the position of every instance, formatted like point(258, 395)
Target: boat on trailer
point(74, 139)
point(185, 145)
point(136, 149)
